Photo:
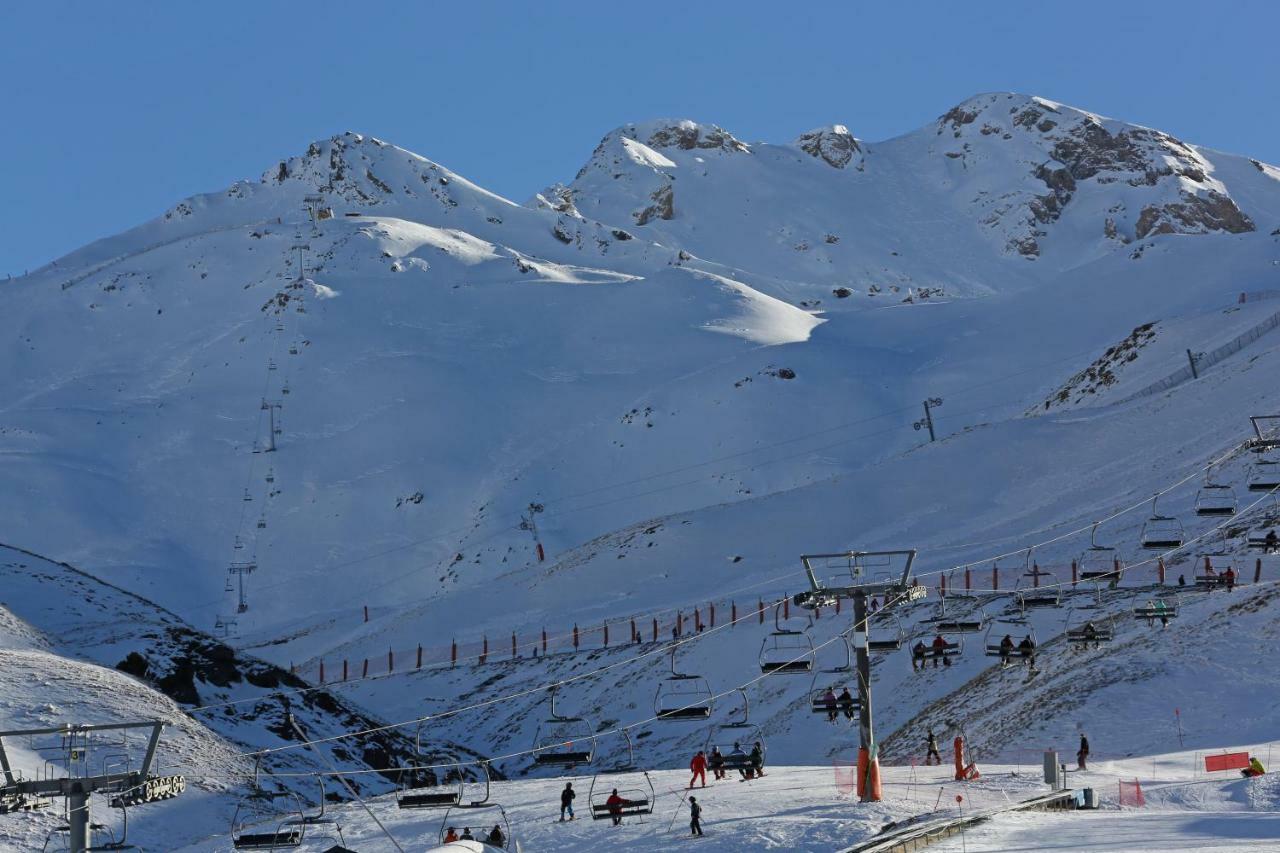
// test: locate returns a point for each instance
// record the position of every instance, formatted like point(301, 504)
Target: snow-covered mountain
point(699, 358)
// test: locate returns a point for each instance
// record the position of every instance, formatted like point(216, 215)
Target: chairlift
point(636, 792)
point(271, 364)
point(563, 741)
point(1216, 500)
point(247, 497)
point(1156, 609)
point(280, 813)
point(935, 651)
point(1213, 568)
point(992, 647)
point(496, 813)
point(1099, 562)
point(61, 836)
point(321, 826)
point(423, 788)
point(735, 731)
point(945, 623)
point(1266, 540)
point(1161, 531)
point(1033, 597)
point(820, 702)
point(1091, 631)
point(293, 349)
point(847, 665)
point(787, 650)
point(285, 388)
point(890, 643)
point(745, 721)
point(1264, 476)
point(681, 696)
point(271, 475)
point(262, 522)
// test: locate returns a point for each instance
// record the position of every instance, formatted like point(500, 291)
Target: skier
point(1006, 649)
point(757, 759)
point(917, 656)
point(846, 703)
point(1182, 580)
point(829, 702)
point(1229, 578)
point(566, 801)
point(695, 817)
point(1027, 648)
point(1271, 542)
point(450, 835)
point(940, 651)
point(932, 755)
point(1082, 755)
point(1163, 613)
point(699, 767)
point(1091, 634)
point(716, 763)
point(1254, 769)
point(496, 838)
point(615, 804)
point(738, 759)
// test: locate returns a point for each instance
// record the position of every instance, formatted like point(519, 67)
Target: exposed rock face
point(688, 135)
point(1071, 152)
point(832, 144)
point(559, 198)
point(663, 206)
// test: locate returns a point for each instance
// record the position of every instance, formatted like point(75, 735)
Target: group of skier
point(836, 705)
point(749, 765)
point(1026, 650)
point(495, 837)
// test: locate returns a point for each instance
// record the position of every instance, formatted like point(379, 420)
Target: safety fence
point(531, 643)
point(1203, 361)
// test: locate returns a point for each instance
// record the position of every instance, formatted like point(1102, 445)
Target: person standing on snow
point(716, 763)
point(699, 767)
point(932, 756)
point(1082, 756)
point(695, 817)
point(566, 801)
point(757, 759)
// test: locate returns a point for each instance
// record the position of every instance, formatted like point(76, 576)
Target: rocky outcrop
point(833, 144)
point(1194, 214)
point(688, 135)
point(663, 206)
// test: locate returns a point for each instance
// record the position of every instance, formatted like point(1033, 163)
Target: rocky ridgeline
point(1102, 373)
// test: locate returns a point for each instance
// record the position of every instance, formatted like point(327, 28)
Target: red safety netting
point(1131, 794)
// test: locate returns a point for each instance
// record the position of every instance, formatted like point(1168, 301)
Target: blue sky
point(110, 112)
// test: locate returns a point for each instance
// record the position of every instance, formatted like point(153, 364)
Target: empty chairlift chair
point(957, 623)
point(1216, 500)
point(1161, 531)
point(1100, 563)
point(563, 741)
point(320, 826)
point(632, 784)
point(430, 787)
point(786, 650)
point(267, 820)
point(1264, 475)
point(682, 696)
point(890, 638)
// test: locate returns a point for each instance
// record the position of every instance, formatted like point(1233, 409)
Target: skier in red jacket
point(699, 767)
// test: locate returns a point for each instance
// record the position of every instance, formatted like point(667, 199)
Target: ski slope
point(699, 359)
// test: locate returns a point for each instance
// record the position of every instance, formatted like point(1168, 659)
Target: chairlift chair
point(1099, 562)
point(418, 789)
point(682, 696)
point(996, 634)
point(1161, 531)
point(944, 651)
point(262, 522)
point(1264, 540)
point(1216, 500)
point(736, 731)
point(787, 650)
point(283, 826)
point(945, 623)
point(636, 789)
point(818, 701)
point(1044, 596)
point(320, 825)
point(847, 665)
point(1094, 631)
point(563, 741)
point(497, 815)
point(1264, 476)
point(1156, 609)
point(891, 643)
point(1211, 569)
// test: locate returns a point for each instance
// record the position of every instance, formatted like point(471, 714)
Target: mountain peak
point(684, 134)
point(833, 144)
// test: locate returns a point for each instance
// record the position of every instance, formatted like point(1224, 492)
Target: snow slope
point(700, 358)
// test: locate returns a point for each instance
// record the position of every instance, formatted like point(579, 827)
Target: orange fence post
point(786, 608)
point(655, 629)
point(733, 612)
point(419, 666)
point(606, 635)
point(322, 672)
point(942, 586)
point(1075, 572)
point(968, 580)
point(1160, 570)
point(995, 577)
point(761, 601)
point(544, 642)
point(391, 661)
point(453, 653)
point(344, 669)
point(575, 636)
point(1257, 571)
point(697, 620)
point(364, 670)
point(514, 653)
point(484, 652)
point(712, 606)
point(635, 638)
point(837, 605)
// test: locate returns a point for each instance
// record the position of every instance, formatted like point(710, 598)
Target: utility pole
point(270, 407)
point(129, 787)
point(529, 523)
point(927, 421)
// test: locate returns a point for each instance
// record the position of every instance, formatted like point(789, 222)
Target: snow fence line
point(1206, 360)
point(918, 837)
